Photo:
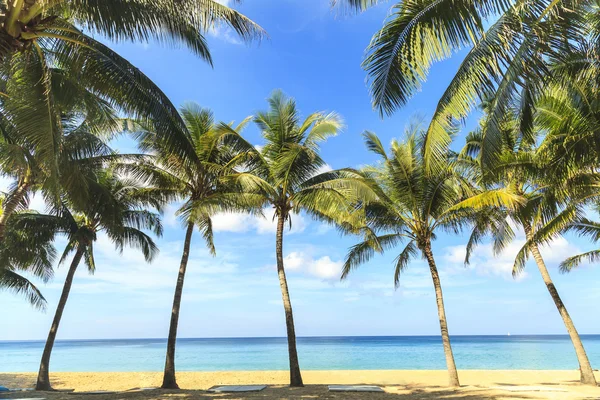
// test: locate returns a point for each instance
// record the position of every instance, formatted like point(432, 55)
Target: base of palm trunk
point(588, 380)
point(172, 386)
point(44, 387)
point(169, 383)
point(296, 379)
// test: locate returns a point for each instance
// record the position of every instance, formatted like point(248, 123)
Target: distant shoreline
point(512, 335)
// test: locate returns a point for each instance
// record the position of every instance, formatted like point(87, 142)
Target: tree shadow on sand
point(307, 392)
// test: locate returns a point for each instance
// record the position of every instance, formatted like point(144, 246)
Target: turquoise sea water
point(316, 353)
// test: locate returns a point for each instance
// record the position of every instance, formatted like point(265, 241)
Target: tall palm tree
point(511, 44)
point(39, 36)
point(412, 206)
point(287, 176)
point(87, 122)
point(194, 174)
point(551, 202)
point(118, 210)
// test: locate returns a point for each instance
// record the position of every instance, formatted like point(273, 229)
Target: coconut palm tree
point(87, 123)
point(117, 208)
point(568, 112)
point(551, 203)
point(81, 147)
point(510, 45)
point(195, 175)
point(413, 206)
point(33, 165)
point(39, 36)
point(30, 251)
point(287, 174)
point(27, 23)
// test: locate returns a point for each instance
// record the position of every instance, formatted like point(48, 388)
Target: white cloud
point(225, 33)
point(129, 272)
point(169, 218)
point(243, 222)
point(323, 268)
point(232, 222)
point(483, 261)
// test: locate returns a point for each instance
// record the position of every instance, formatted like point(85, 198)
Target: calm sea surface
point(316, 353)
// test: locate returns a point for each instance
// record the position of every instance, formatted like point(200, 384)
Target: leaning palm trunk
point(587, 374)
point(442, 314)
point(10, 206)
point(169, 381)
point(295, 375)
point(43, 379)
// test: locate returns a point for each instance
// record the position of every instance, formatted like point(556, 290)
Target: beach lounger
point(95, 392)
point(236, 388)
point(528, 388)
point(354, 388)
point(143, 389)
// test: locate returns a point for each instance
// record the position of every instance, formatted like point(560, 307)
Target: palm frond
point(16, 283)
point(575, 261)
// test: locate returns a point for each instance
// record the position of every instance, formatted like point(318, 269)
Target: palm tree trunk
point(12, 202)
point(43, 379)
point(586, 373)
point(169, 381)
point(295, 375)
point(442, 314)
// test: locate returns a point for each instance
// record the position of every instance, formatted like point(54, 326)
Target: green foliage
point(410, 204)
point(198, 172)
point(113, 207)
point(288, 173)
point(512, 46)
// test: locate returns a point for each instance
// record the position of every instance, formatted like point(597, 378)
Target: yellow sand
point(499, 385)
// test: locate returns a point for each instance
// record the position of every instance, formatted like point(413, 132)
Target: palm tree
point(27, 24)
point(413, 205)
point(87, 123)
point(117, 209)
point(195, 175)
point(287, 175)
point(26, 250)
point(39, 36)
point(551, 202)
point(81, 147)
point(506, 56)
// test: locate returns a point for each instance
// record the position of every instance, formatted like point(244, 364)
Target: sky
point(313, 55)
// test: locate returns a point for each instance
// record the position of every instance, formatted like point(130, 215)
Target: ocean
point(316, 353)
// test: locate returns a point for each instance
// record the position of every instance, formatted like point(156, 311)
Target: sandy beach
point(401, 384)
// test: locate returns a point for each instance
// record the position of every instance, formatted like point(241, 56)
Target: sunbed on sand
point(236, 388)
point(354, 388)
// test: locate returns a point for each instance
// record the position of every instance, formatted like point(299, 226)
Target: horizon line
point(301, 337)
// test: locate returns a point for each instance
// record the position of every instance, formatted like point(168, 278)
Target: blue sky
point(314, 56)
